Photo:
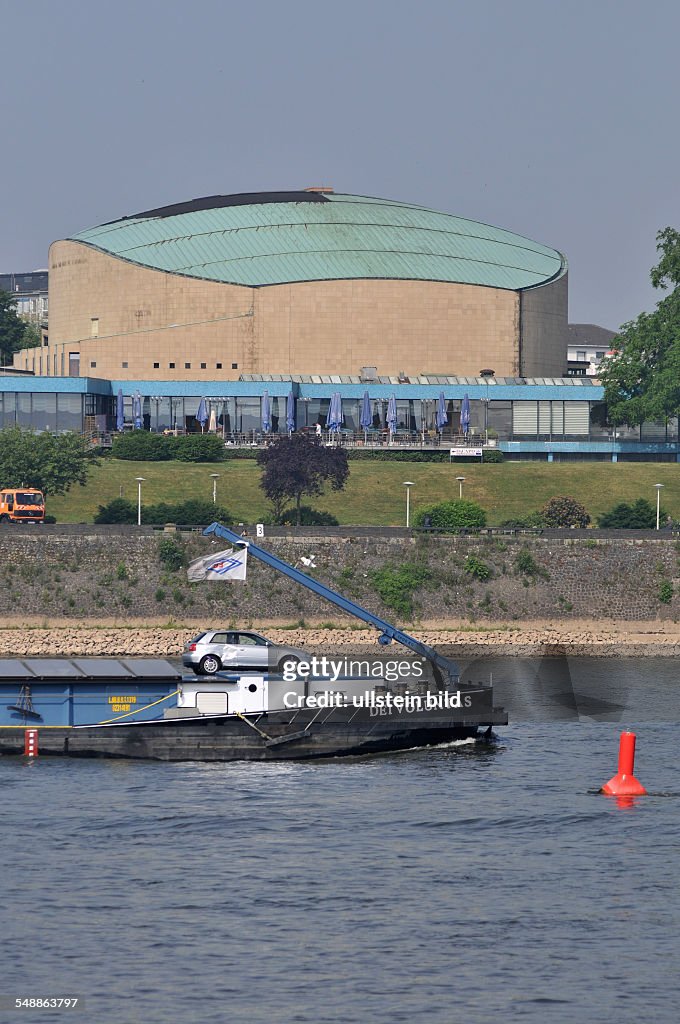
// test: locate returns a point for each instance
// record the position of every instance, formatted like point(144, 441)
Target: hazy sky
point(557, 120)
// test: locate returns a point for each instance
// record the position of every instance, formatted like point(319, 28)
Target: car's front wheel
point(210, 665)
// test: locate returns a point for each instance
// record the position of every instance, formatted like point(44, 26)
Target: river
point(465, 883)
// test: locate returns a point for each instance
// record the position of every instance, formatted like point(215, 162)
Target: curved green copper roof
point(277, 238)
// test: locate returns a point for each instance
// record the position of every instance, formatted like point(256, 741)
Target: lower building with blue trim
point(542, 418)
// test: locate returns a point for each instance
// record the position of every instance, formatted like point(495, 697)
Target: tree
point(642, 379)
point(564, 511)
point(298, 465)
point(31, 337)
point(12, 327)
point(52, 464)
point(639, 516)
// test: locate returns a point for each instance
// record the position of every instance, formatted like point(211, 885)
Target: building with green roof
point(306, 282)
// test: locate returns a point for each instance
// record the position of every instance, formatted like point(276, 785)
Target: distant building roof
point(590, 336)
point(269, 238)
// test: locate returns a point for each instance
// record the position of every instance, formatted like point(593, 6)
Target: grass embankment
point(374, 495)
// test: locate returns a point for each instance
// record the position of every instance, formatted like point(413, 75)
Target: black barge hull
point(274, 736)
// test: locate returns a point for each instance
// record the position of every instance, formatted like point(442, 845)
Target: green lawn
point(375, 494)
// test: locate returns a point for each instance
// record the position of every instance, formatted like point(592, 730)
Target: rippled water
point(458, 884)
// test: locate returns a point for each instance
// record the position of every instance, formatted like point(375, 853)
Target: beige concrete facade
point(130, 322)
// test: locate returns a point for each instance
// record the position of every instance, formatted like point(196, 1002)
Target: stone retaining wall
point(115, 574)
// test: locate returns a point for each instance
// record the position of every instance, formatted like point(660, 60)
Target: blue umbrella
point(266, 413)
point(137, 410)
point(392, 414)
point(334, 418)
point(290, 413)
point(366, 418)
point(441, 419)
point(202, 414)
point(465, 414)
point(120, 410)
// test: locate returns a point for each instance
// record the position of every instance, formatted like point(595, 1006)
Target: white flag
point(225, 565)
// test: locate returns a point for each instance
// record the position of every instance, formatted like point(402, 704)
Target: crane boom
point(446, 670)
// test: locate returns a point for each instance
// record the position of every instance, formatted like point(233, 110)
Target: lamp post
point(140, 481)
point(486, 374)
point(214, 477)
point(658, 502)
point(461, 481)
point(408, 484)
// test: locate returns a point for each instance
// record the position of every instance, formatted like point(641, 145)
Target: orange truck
point(21, 505)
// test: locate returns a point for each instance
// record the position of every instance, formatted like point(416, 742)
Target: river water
point(465, 883)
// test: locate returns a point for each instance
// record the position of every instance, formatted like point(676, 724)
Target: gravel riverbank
point(532, 639)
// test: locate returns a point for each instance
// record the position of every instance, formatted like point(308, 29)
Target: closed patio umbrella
point(366, 418)
point(392, 415)
point(266, 413)
point(212, 425)
point(120, 410)
point(290, 412)
point(202, 414)
point(334, 420)
point(465, 414)
point(442, 418)
point(137, 410)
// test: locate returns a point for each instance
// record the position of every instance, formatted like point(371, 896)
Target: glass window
point(24, 410)
point(44, 414)
point(9, 406)
point(69, 412)
point(248, 417)
point(74, 364)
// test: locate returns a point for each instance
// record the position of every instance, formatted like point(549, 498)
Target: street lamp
point(408, 484)
point(658, 502)
point(461, 481)
point(140, 481)
point(215, 478)
point(486, 374)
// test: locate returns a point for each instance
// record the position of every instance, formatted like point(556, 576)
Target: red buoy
point(31, 742)
point(624, 782)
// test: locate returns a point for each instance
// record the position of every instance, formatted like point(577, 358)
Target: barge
point(145, 708)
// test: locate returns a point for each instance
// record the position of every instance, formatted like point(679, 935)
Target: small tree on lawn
point(564, 511)
point(295, 466)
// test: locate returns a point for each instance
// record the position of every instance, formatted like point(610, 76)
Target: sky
point(556, 120)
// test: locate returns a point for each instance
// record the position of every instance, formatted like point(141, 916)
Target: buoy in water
point(624, 782)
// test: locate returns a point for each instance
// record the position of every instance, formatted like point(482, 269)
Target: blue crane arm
point(446, 670)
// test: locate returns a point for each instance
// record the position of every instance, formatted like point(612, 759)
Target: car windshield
point(29, 498)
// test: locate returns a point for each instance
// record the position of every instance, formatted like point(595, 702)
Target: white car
point(219, 649)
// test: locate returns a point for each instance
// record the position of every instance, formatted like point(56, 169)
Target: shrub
point(639, 516)
point(119, 510)
point(396, 585)
point(308, 517)
point(452, 515)
point(666, 591)
point(528, 521)
point(193, 512)
point(50, 519)
point(492, 455)
point(196, 448)
point(160, 595)
point(171, 554)
point(141, 446)
point(564, 511)
point(528, 566)
point(475, 567)
point(122, 571)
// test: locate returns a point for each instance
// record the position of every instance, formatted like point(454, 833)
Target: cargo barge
point(146, 708)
